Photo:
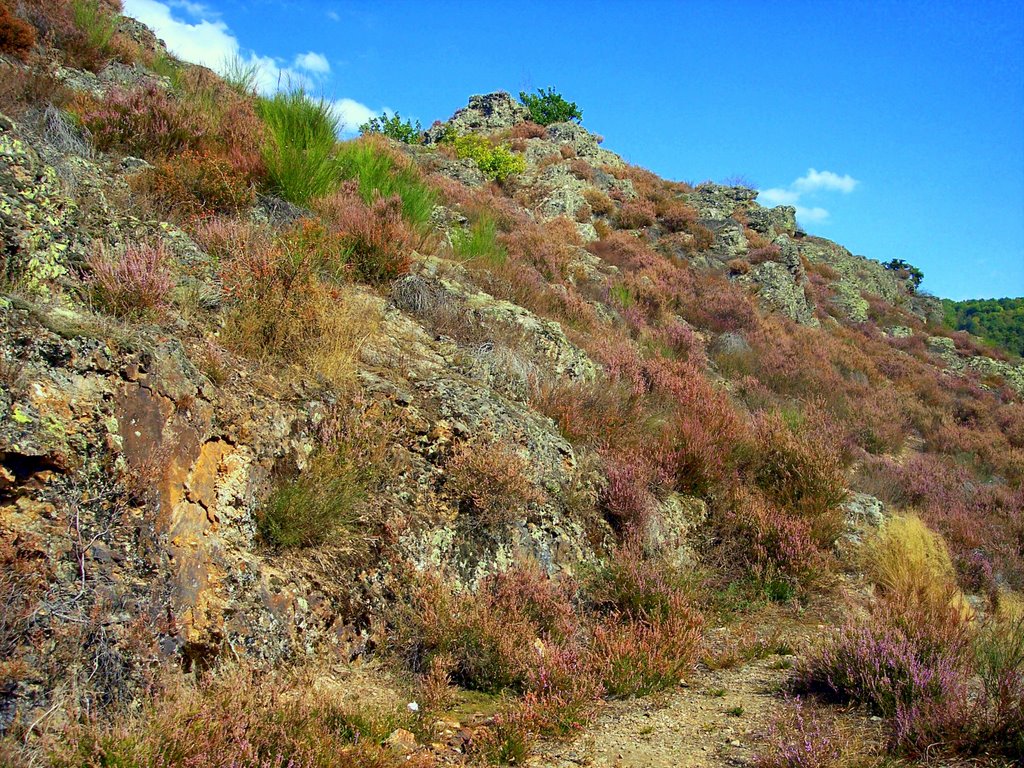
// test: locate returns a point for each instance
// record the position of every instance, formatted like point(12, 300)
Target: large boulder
point(487, 112)
point(717, 201)
point(782, 284)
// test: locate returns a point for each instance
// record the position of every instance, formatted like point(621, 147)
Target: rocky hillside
point(492, 419)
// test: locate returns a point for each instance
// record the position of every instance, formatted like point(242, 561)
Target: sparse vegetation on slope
point(537, 430)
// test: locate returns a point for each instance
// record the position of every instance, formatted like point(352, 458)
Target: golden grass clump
point(321, 330)
point(910, 563)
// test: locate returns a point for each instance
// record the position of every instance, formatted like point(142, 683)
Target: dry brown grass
point(319, 329)
point(599, 202)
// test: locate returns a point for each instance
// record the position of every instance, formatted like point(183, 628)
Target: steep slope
point(534, 437)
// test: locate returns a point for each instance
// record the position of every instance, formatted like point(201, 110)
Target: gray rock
point(730, 343)
point(772, 221)
point(730, 241)
point(715, 201)
point(781, 284)
point(576, 136)
point(670, 531)
point(565, 197)
point(487, 112)
point(958, 362)
point(863, 509)
point(132, 165)
point(464, 171)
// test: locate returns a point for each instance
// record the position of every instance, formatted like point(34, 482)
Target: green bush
point(96, 22)
point(479, 242)
point(301, 146)
point(394, 128)
point(309, 509)
point(997, 321)
point(906, 271)
point(378, 174)
point(496, 163)
point(548, 107)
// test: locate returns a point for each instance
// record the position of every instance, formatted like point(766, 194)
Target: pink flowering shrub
point(885, 667)
point(148, 121)
point(636, 657)
point(635, 214)
point(134, 282)
point(378, 239)
point(800, 738)
point(768, 541)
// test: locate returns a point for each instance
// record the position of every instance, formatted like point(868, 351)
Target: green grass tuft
point(301, 149)
point(96, 22)
point(479, 242)
point(316, 505)
point(378, 174)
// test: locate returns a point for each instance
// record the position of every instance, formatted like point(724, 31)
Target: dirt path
point(699, 725)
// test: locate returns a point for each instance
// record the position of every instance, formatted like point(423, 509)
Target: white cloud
point(812, 184)
point(313, 62)
point(334, 16)
point(825, 180)
point(197, 10)
point(777, 196)
point(352, 114)
point(814, 215)
point(207, 40)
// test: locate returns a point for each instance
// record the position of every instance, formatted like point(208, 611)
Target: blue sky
point(896, 128)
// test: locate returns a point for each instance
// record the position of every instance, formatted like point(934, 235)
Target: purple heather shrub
point(136, 281)
point(888, 666)
point(800, 739)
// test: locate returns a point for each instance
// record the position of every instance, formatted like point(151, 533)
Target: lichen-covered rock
point(37, 218)
point(857, 276)
point(583, 143)
point(865, 514)
point(464, 171)
point(730, 242)
point(772, 221)
point(849, 302)
point(864, 509)
point(716, 201)
point(514, 347)
point(945, 349)
point(671, 530)
point(900, 332)
point(565, 193)
point(782, 285)
point(483, 113)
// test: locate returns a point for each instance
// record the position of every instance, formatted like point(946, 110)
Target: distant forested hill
point(1000, 321)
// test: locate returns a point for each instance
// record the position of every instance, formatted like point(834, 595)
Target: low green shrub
point(495, 162)
point(547, 107)
point(394, 128)
point(323, 504)
point(320, 503)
